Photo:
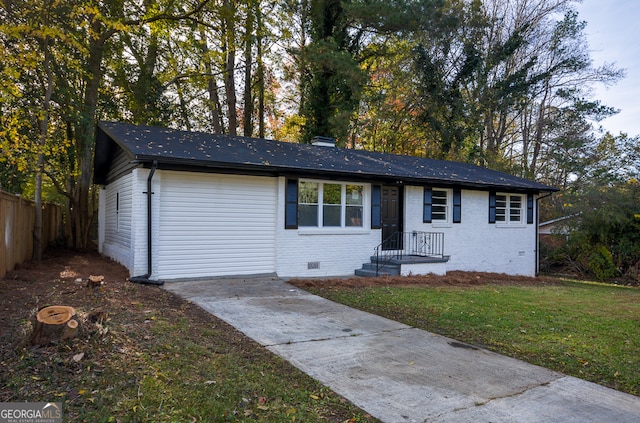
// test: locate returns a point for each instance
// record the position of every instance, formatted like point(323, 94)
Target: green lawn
point(591, 331)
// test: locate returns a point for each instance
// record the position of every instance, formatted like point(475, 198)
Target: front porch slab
point(406, 266)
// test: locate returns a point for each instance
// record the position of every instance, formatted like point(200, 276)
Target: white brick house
point(178, 205)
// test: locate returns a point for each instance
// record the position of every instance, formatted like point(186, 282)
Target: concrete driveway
point(398, 373)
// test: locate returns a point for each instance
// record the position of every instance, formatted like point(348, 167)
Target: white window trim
point(523, 211)
point(446, 223)
point(340, 230)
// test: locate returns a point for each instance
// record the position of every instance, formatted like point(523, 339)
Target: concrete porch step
point(365, 273)
point(383, 269)
point(394, 267)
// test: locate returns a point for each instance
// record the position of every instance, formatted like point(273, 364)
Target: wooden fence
point(17, 218)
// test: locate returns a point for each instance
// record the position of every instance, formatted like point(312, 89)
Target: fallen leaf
point(315, 397)
point(263, 407)
point(78, 357)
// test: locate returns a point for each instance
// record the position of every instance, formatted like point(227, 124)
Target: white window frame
point(364, 222)
point(448, 207)
point(508, 211)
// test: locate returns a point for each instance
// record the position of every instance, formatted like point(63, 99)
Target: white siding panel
point(117, 214)
point(214, 225)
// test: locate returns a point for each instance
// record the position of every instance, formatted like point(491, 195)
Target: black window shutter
point(530, 204)
point(376, 207)
point(492, 207)
point(427, 204)
point(291, 204)
point(457, 206)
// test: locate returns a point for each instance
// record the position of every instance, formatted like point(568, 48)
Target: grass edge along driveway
point(587, 330)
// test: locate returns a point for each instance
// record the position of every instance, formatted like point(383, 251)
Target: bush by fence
point(17, 218)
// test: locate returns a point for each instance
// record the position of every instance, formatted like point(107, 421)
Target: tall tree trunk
point(230, 50)
point(539, 131)
point(82, 210)
point(260, 71)
point(212, 88)
point(44, 129)
point(230, 90)
point(184, 112)
point(248, 60)
point(145, 97)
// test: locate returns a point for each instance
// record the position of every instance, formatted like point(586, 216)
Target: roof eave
point(259, 169)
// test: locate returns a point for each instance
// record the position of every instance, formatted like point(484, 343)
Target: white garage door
point(215, 225)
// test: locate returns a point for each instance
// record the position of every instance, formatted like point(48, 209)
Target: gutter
point(144, 279)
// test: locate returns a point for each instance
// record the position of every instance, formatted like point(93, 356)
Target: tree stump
point(54, 323)
point(70, 329)
point(95, 281)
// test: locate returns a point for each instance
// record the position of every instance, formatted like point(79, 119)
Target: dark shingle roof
point(203, 150)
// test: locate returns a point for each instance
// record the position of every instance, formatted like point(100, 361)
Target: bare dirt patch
point(127, 331)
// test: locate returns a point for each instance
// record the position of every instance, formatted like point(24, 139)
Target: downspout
point(538, 233)
point(144, 279)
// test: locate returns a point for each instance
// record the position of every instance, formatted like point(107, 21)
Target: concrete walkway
point(398, 373)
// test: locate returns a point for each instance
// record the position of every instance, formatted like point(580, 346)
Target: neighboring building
point(555, 233)
point(178, 205)
point(558, 226)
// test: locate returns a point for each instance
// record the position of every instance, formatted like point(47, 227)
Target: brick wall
point(474, 244)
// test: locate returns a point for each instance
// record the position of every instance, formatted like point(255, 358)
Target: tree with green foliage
point(500, 83)
point(605, 235)
point(59, 51)
point(331, 79)
point(603, 198)
point(32, 41)
point(496, 81)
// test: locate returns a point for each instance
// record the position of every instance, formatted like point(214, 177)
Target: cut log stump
point(95, 281)
point(70, 329)
point(54, 323)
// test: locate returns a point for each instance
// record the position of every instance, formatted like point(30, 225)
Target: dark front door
point(391, 215)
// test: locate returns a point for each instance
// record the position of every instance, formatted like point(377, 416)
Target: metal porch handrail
point(402, 244)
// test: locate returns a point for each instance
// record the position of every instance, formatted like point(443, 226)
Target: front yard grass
point(591, 331)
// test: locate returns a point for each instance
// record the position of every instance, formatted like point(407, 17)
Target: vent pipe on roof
point(323, 141)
